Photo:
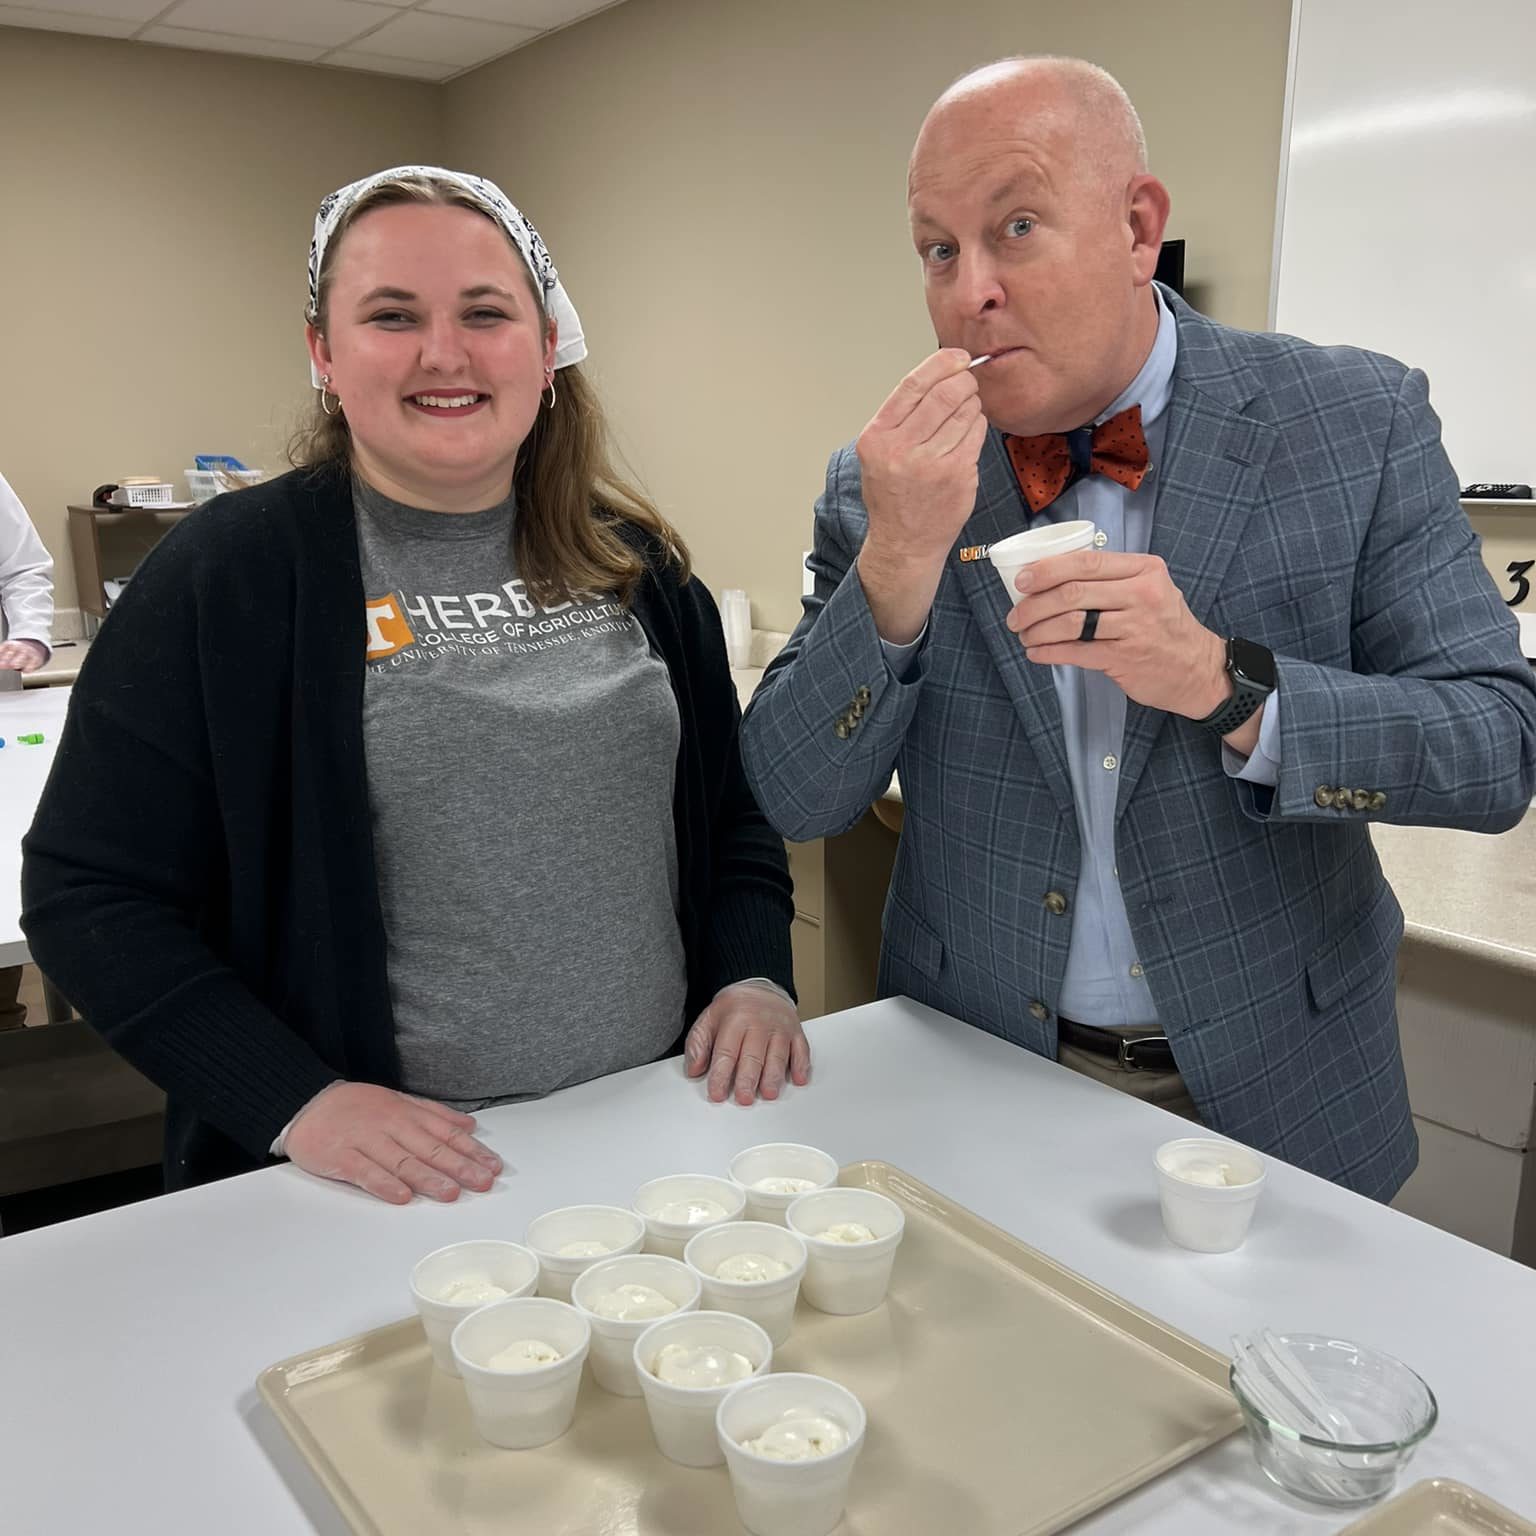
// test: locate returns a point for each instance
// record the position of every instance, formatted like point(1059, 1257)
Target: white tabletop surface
point(131, 1340)
point(22, 772)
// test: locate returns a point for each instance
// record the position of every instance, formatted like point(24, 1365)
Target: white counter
point(23, 771)
point(132, 1339)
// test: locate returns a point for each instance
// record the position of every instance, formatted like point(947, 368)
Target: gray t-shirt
point(520, 772)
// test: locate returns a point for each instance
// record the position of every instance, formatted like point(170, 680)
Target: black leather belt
point(1138, 1053)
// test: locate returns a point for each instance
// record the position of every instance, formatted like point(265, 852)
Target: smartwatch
point(1251, 667)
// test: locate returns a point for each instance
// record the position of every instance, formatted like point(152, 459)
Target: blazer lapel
point(1207, 488)
point(1000, 512)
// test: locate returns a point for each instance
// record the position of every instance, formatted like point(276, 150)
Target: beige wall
point(721, 182)
point(156, 209)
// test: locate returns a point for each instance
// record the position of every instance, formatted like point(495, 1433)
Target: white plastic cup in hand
point(609, 1228)
point(769, 1303)
point(522, 1408)
point(683, 1417)
point(613, 1338)
point(1009, 556)
point(507, 1266)
point(847, 1277)
point(661, 1203)
point(780, 1160)
point(778, 1497)
point(1198, 1212)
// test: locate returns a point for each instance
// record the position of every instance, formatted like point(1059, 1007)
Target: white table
point(23, 770)
point(131, 1340)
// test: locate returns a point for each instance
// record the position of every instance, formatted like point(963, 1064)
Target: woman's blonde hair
point(566, 538)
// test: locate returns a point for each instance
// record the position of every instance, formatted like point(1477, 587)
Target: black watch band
point(1251, 668)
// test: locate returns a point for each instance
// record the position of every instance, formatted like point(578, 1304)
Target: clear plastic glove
point(750, 1034)
point(22, 655)
point(391, 1144)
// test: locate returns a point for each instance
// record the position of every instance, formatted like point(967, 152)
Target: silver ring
point(1090, 625)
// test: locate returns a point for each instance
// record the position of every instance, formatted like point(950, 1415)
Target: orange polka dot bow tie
point(1048, 464)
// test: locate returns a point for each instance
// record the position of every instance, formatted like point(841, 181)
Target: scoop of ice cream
point(699, 1365)
point(691, 1213)
point(626, 1303)
point(524, 1355)
point(586, 1248)
point(752, 1267)
point(848, 1232)
point(775, 1184)
point(471, 1288)
point(1209, 1171)
point(800, 1434)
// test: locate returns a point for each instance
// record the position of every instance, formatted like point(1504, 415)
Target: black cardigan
point(199, 880)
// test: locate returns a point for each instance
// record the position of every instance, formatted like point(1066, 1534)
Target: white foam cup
point(613, 1338)
point(508, 1265)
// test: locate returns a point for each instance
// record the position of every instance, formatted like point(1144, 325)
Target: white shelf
point(1491, 501)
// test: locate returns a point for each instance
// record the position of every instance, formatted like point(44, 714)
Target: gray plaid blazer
point(1305, 502)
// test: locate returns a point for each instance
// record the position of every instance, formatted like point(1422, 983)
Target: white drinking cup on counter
point(779, 1492)
point(840, 1276)
point(779, 1163)
point(769, 1302)
point(564, 1239)
point(679, 1206)
point(1208, 1189)
point(682, 1414)
point(524, 1407)
point(450, 1283)
point(613, 1338)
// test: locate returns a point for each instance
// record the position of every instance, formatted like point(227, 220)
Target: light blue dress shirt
point(1103, 983)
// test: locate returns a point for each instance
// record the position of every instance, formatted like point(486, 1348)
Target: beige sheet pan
point(1440, 1508)
point(1006, 1397)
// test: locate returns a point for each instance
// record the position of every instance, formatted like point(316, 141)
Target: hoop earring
point(325, 379)
point(551, 377)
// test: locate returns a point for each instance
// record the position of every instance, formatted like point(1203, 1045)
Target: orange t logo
point(388, 630)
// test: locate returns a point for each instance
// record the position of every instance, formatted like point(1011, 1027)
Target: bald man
point(1139, 786)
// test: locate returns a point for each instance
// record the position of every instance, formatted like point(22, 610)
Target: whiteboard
point(1407, 211)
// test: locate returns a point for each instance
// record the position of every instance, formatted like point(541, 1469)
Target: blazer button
point(1322, 796)
point(1343, 799)
point(855, 711)
point(1055, 903)
point(842, 728)
point(862, 696)
point(1361, 800)
point(1039, 1011)
point(1378, 800)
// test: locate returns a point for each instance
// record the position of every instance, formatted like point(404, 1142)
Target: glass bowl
point(1390, 1410)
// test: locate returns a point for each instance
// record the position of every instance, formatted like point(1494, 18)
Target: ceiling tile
point(137, 11)
point(541, 14)
point(218, 42)
point(443, 39)
point(378, 64)
point(325, 23)
point(60, 21)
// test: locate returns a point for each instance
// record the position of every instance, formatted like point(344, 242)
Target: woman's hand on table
point(749, 1036)
point(393, 1145)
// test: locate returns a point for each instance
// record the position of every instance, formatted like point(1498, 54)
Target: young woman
point(409, 782)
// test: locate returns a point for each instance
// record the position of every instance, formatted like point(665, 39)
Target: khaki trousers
point(1165, 1089)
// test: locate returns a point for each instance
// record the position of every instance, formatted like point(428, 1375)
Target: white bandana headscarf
point(571, 346)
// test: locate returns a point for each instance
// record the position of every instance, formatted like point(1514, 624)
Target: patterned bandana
point(572, 345)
